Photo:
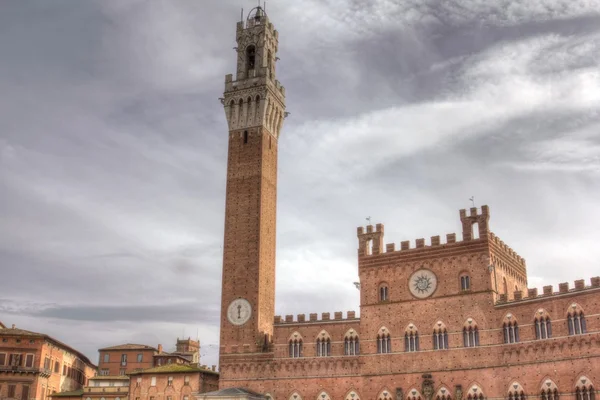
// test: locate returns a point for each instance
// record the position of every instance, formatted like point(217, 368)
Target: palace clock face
point(239, 311)
point(422, 283)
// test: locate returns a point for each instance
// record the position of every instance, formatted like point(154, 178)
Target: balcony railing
point(25, 370)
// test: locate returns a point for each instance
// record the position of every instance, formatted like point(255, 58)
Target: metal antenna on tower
point(472, 198)
point(368, 220)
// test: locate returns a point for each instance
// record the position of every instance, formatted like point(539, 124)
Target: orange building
point(126, 358)
point(172, 382)
point(448, 319)
point(34, 365)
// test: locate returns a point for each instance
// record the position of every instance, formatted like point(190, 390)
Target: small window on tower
point(245, 137)
point(251, 57)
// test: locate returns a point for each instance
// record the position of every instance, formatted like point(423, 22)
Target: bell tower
point(255, 109)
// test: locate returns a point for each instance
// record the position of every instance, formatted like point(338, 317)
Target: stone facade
point(34, 365)
point(445, 319)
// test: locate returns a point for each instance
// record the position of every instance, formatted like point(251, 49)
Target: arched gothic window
point(351, 344)
point(443, 394)
point(510, 328)
point(465, 282)
point(576, 320)
point(470, 334)
point(584, 390)
point(323, 345)
point(384, 341)
point(440, 337)
point(542, 325)
point(413, 394)
point(384, 395)
point(352, 396)
point(516, 392)
point(549, 390)
point(295, 346)
point(250, 58)
point(323, 396)
point(411, 339)
point(475, 393)
point(383, 292)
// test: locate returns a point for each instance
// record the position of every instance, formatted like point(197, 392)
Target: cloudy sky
point(113, 150)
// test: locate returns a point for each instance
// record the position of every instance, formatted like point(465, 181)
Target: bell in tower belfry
point(254, 104)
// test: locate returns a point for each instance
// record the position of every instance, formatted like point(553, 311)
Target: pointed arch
point(516, 392)
point(323, 396)
point(385, 394)
point(475, 393)
point(295, 345)
point(584, 389)
point(413, 394)
point(351, 343)
point(352, 395)
point(440, 336)
point(443, 394)
point(384, 341)
point(510, 329)
point(549, 390)
point(542, 324)
point(576, 323)
point(323, 344)
point(470, 333)
point(411, 338)
point(295, 396)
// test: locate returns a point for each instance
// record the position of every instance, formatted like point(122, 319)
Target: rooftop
point(129, 346)
point(173, 368)
point(14, 331)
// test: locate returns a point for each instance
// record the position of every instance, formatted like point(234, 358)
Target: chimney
point(213, 367)
point(160, 348)
point(14, 326)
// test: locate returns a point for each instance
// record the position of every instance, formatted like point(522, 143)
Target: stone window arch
point(413, 394)
point(384, 395)
point(516, 392)
point(443, 394)
point(295, 396)
point(411, 339)
point(510, 329)
point(323, 344)
point(584, 389)
point(470, 333)
point(465, 281)
point(352, 396)
point(576, 320)
point(384, 341)
point(440, 336)
point(384, 291)
point(250, 57)
point(351, 343)
point(323, 396)
point(475, 393)
point(549, 390)
point(295, 345)
point(542, 324)
point(269, 396)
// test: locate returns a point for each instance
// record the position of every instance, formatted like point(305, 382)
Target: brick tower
point(255, 108)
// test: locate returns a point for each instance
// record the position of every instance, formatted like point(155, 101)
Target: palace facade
point(446, 319)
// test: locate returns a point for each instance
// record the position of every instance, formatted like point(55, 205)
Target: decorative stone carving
point(427, 387)
point(458, 392)
point(399, 394)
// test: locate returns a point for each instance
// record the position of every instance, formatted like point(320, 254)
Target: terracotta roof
point(129, 346)
point(23, 332)
point(74, 393)
point(173, 368)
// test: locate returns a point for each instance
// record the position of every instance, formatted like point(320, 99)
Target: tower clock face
point(422, 283)
point(239, 311)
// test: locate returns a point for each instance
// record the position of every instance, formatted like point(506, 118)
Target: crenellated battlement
point(548, 291)
point(507, 250)
point(313, 318)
